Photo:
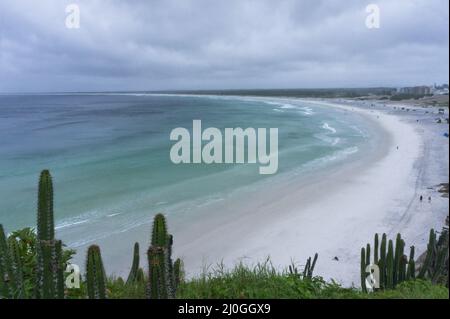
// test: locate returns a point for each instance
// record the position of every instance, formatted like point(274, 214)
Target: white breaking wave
point(329, 128)
point(336, 156)
point(67, 224)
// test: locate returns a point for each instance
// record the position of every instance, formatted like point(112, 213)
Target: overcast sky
point(221, 44)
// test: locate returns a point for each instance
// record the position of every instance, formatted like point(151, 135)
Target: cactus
point(390, 266)
point(13, 247)
point(95, 274)
point(309, 267)
point(411, 271)
point(7, 275)
point(60, 284)
point(393, 265)
point(158, 276)
point(160, 236)
point(132, 277)
point(376, 249)
point(45, 223)
point(49, 278)
point(367, 255)
point(140, 277)
point(398, 255)
point(363, 270)
point(435, 266)
point(382, 261)
point(178, 273)
point(429, 257)
point(161, 277)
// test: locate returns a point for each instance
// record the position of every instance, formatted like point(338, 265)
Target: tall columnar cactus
point(390, 266)
point(13, 247)
point(398, 255)
point(363, 270)
point(435, 266)
point(158, 275)
point(376, 250)
point(161, 283)
point(411, 271)
point(430, 255)
point(178, 272)
point(382, 261)
point(140, 277)
point(7, 276)
point(95, 274)
point(160, 237)
point(60, 284)
point(367, 255)
point(49, 278)
point(45, 222)
point(132, 277)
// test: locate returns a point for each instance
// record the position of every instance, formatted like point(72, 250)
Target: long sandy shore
point(334, 216)
point(334, 213)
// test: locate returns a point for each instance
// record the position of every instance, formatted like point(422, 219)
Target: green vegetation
point(299, 93)
point(32, 265)
point(405, 96)
point(394, 266)
point(263, 281)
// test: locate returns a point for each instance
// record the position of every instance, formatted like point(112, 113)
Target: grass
point(263, 282)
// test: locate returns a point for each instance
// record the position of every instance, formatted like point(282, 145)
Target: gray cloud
point(201, 44)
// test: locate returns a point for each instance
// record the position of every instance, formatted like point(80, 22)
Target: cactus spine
point(95, 274)
point(49, 265)
point(132, 277)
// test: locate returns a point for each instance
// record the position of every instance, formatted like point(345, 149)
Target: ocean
point(109, 155)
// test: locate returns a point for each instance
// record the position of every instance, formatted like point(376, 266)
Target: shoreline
point(297, 220)
point(329, 216)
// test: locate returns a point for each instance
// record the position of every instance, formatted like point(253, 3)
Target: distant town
point(424, 90)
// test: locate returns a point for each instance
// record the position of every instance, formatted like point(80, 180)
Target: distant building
point(416, 90)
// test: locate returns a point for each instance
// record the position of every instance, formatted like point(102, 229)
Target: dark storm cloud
point(196, 44)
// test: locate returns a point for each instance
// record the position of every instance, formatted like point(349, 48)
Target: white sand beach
point(335, 216)
point(334, 213)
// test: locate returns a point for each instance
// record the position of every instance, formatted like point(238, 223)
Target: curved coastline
point(333, 213)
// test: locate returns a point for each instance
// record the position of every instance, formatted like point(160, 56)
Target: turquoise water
point(109, 154)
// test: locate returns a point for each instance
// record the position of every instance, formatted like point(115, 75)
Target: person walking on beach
point(421, 198)
point(429, 199)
